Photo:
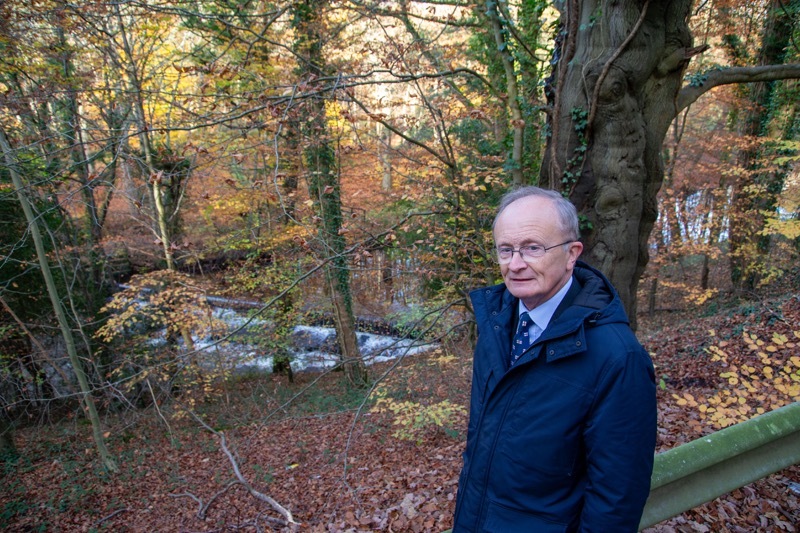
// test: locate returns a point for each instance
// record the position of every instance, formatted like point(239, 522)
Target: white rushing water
point(312, 347)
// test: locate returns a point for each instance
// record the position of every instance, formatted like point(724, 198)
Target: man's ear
point(575, 250)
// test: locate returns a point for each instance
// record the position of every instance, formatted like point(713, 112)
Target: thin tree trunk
point(751, 206)
point(153, 178)
point(8, 450)
point(384, 148)
point(652, 296)
point(704, 272)
point(58, 309)
point(324, 186)
point(499, 33)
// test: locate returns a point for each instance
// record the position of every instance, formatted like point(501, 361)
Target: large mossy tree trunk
point(616, 87)
point(619, 69)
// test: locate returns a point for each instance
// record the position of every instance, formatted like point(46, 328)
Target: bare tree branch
point(714, 78)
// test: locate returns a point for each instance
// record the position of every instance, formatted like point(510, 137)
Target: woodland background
point(339, 163)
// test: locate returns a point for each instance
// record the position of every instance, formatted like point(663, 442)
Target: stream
point(312, 348)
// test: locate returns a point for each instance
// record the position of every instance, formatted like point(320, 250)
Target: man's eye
point(534, 248)
point(505, 251)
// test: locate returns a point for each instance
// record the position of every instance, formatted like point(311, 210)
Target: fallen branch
point(258, 495)
point(240, 479)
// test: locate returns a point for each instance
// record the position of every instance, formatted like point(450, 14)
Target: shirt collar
point(542, 314)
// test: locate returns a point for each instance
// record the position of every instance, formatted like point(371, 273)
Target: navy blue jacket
point(564, 440)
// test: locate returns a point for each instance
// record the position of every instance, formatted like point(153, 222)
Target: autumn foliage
point(339, 163)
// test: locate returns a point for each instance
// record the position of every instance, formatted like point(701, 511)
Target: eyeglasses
point(528, 253)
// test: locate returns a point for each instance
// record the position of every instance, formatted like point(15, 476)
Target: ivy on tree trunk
point(323, 183)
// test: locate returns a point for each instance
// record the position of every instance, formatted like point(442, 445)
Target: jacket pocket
point(503, 519)
point(544, 427)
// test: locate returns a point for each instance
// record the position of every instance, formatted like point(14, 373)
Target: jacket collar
point(590, 300)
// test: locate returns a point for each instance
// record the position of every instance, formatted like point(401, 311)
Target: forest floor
point(336, 464)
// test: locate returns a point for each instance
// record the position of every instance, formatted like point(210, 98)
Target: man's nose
point(517, 263)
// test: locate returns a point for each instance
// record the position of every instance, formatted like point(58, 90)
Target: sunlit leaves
point(144, 323)
point(765, 383)
point(415, 420)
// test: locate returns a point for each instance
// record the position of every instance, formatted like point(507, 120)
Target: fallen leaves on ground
point(343, 471)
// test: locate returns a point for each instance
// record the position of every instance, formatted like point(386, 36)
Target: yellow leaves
point(751, 387)
point(717, 354)
point(779, 339)
point(414, 419)
point(747, 369)
point(691, 293)
point(441, 358)
point(155, 308)
point(685, 400)
point(789, 228)
point(699, 297)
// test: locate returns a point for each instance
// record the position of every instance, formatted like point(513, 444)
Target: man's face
point(527, 221)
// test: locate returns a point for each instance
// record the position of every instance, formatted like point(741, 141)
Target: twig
point(202, 509)
point(112, 515)
point(158, 410)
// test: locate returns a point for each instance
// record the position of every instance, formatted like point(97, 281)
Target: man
point(562, 422)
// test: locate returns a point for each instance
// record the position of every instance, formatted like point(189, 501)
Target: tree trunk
point(652, 296)
point(58, 309)
point(619, 69)
point(155, 180)
point(501, 41)
point(8, 450)
point(751, 205)
point(704, 273)
point(323, 184)
point(384, 150)
point(289, 170)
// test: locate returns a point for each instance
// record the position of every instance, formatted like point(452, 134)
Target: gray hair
point(567, 214)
